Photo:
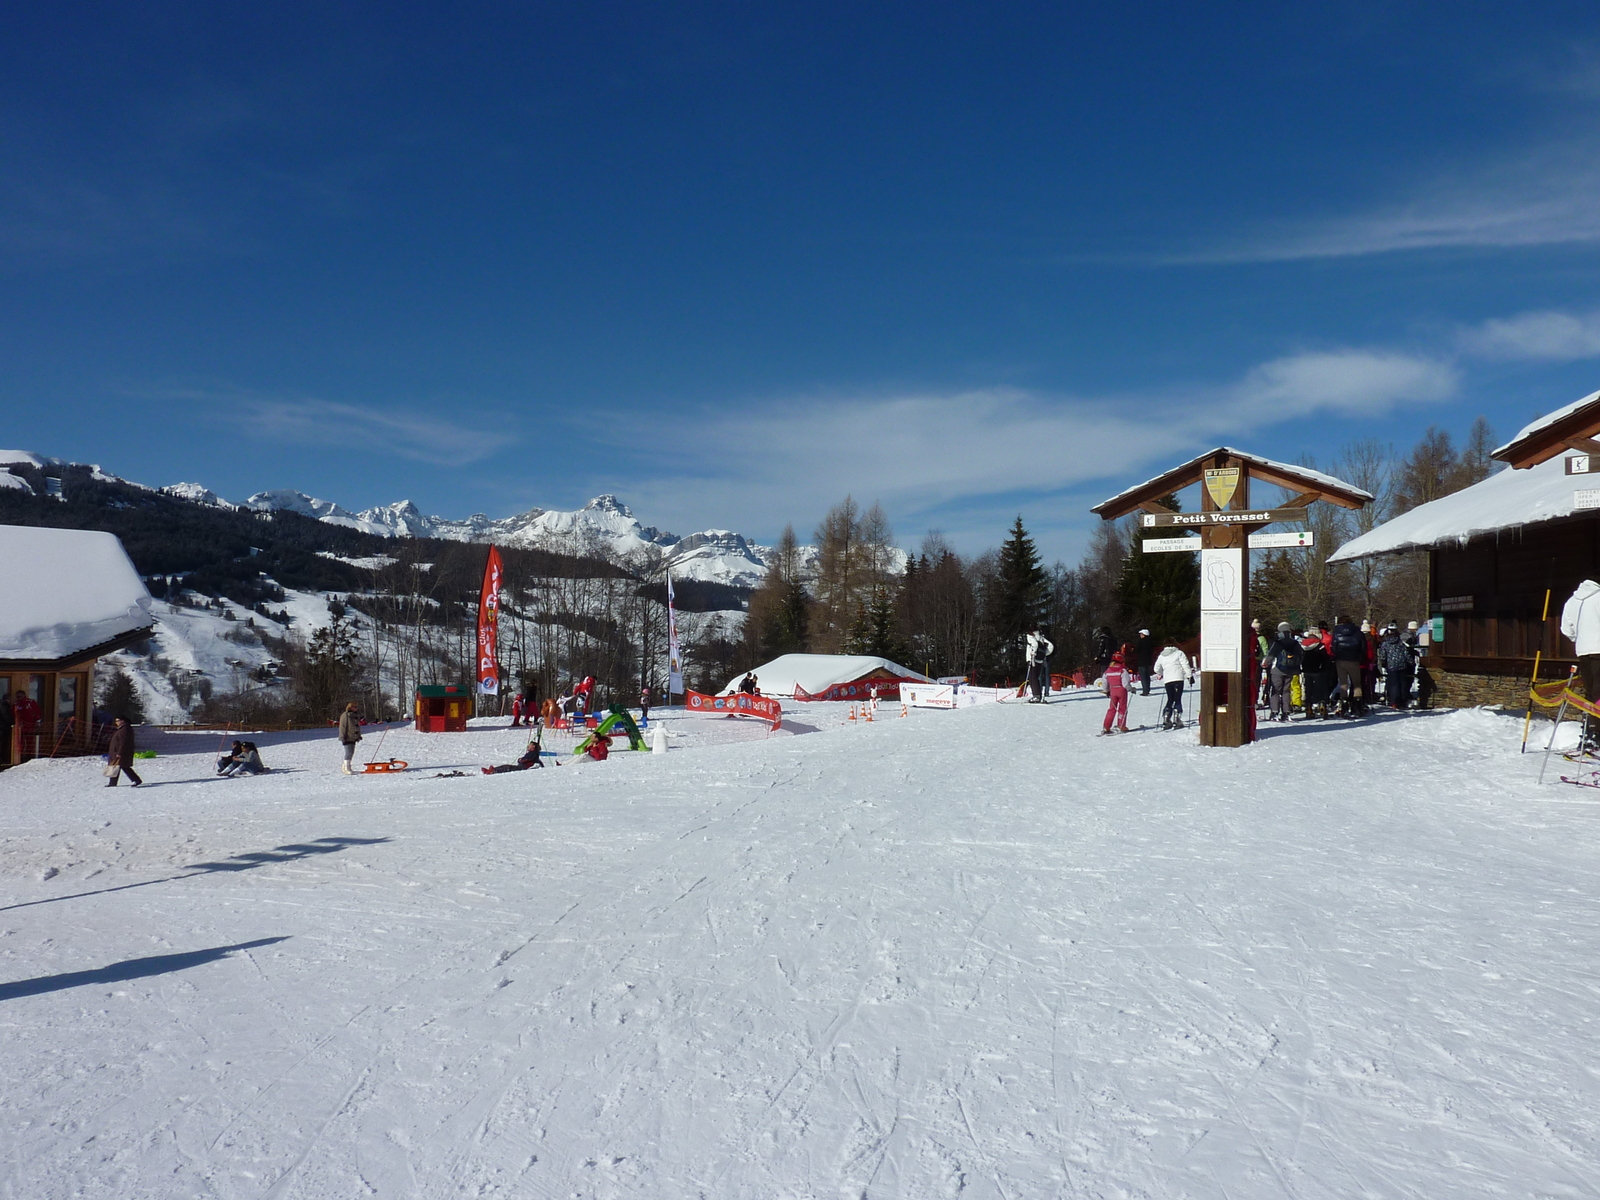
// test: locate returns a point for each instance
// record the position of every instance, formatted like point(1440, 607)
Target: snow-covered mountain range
point(604, 525)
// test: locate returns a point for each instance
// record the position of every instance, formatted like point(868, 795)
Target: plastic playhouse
point(442, 708)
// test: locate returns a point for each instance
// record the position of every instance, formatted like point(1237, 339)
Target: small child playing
point(529, 760)
point(1117, 681)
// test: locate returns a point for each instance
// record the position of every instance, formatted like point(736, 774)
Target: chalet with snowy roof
point(67, 597)
point(1496, 548)
point(830, 677)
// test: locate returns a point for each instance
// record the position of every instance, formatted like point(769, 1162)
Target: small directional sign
point(1258, 541)
point(1279, 541)
point(1162, 545)
point(1581, 464)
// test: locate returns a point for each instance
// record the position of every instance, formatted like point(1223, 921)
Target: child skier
point(1117, 680)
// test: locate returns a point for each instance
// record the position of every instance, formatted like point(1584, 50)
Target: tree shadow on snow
point(133, 968)
point(238, 862)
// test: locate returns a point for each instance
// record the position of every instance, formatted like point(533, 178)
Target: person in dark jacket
point(1349, 655)
point(1317, 664)
point(1104, 647)
point(1144, 654)
point(530, 758)
point(1283, 664)
point(7, 722)
point(120, 754)
point(1399, 664)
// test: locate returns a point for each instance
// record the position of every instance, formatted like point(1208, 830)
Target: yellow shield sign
point(1221, 484)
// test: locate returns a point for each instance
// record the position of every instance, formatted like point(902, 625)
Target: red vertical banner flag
point(489, 626)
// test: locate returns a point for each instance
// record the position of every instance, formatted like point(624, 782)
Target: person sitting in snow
point(529, 760)
point(242, 759)
point(1117, 682)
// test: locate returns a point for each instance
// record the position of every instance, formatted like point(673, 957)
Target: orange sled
point(374, 768)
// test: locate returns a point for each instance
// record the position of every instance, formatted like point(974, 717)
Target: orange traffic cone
point(867, 709)
point(904, 710)
point(852, 712)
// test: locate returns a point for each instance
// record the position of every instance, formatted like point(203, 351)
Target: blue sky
point(734, 261)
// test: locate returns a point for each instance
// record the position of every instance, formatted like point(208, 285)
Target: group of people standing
point(1326, 672)
point(1321, 670)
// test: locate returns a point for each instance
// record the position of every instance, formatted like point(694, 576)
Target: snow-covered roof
point(1502, 501)
point(816, 673)
point(66, 591)
point(1312, 478)
point(1547, 420)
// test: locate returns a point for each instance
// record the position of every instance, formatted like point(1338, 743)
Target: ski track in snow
point(978, 953)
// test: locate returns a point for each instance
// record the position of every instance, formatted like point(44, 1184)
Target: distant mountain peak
point(606, 502)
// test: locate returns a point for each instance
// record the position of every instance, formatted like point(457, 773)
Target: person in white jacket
point(1039, 649)
point(1173, 669)
point(1580, 623)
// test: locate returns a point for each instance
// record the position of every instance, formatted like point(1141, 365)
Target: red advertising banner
point(861, 689)
point(741, 704)
point(489, 626)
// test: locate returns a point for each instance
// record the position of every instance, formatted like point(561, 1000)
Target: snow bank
point(66, 590)
point(8, 480)
point(816, 673)
point(1502, 501)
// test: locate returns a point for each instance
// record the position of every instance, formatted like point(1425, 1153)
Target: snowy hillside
point(871, 961)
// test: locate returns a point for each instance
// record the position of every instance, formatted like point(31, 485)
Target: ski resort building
point(1496, 549)
point(830, 677)
point(70, 597)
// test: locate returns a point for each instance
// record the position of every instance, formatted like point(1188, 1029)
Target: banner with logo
point(489, 626)
point(741, 704)
point(928, 695)
point(674, 655)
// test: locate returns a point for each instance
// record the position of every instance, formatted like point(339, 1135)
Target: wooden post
point(1226, 699)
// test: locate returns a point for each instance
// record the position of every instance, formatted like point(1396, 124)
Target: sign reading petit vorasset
point(1253, 516)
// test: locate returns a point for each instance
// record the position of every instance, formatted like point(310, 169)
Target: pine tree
point(1159, 592)
point(1019, 596)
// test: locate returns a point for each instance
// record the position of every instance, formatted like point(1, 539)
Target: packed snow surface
point(66, 590)
point(978, 953)
point(1503, 501)
point(816, 673)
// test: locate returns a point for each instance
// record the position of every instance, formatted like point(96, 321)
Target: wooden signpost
point(1225, 522)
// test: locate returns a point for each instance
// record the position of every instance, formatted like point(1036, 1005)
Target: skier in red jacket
point(1117, 680)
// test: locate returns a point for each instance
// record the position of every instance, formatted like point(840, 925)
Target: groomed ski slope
point(977, 953)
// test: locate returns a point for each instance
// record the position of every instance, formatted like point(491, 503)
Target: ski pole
point(1528, 720)
point(1556, 728)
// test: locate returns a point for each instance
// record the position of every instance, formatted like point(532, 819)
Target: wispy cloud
point(1536, 337)
point(1542, 198)
point(312, 422)
point(923, 452)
